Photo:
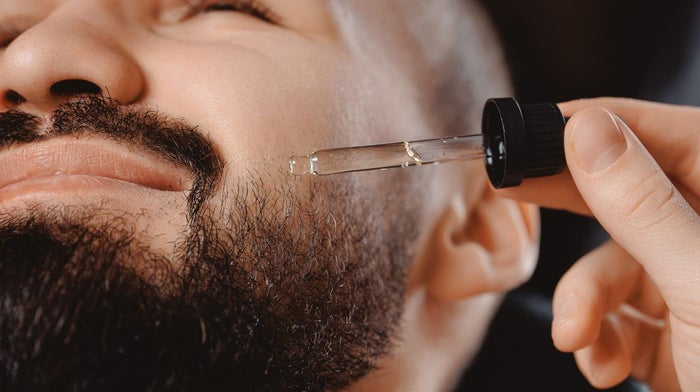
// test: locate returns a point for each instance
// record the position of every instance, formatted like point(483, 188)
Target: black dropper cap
point(522, 141)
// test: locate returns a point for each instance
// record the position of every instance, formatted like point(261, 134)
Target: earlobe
point(486, 244)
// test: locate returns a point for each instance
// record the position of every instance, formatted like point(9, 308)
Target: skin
point(630, 307)
point(260, 92)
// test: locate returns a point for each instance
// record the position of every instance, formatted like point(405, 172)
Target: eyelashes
point(254, 8)
point(11, 28)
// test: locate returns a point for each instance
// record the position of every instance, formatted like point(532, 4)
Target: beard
point(275, 289)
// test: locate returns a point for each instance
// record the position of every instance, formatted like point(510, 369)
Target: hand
point(632, 306)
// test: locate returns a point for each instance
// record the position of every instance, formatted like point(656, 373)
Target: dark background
point(566, 49)
point(560, 50)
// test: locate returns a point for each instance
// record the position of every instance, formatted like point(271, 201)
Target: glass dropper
point(387, 156)
point(517, 141)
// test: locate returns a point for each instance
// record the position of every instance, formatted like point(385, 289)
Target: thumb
point(635, 201)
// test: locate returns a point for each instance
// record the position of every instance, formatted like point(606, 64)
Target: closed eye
point(251, 7)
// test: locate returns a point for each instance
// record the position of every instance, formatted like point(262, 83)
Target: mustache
point(173, 139)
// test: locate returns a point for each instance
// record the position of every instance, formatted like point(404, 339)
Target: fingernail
point(565, 308)
point(598, 140)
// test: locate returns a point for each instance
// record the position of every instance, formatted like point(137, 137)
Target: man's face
point(150, 236)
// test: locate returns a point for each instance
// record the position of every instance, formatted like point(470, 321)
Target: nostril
point(71, 87)
point(14, 98)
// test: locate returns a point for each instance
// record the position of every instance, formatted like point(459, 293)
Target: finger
point(671, 133)
point(617, 316)
point(557, 192)
point(660, 373)
point(595, 285)
point(607, 361)
point(615, 322)
point(560, 193)
point(634, 200)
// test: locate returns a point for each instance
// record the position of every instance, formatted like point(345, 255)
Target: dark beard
point(278, 293)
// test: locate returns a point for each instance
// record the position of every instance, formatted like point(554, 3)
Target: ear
point(481, 243)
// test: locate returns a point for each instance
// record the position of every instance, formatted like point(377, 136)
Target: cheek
point(258, 109)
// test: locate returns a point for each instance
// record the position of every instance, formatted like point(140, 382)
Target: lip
point(72, 164)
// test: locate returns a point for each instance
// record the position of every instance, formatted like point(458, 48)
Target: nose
point(61, 58)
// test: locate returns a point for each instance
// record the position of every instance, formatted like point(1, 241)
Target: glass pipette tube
point(386, 156)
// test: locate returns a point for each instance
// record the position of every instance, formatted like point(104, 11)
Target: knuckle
point(653, 202)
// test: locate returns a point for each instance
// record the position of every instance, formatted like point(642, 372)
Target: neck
point(437, 343)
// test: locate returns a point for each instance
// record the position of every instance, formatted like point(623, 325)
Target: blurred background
point(568, 49)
